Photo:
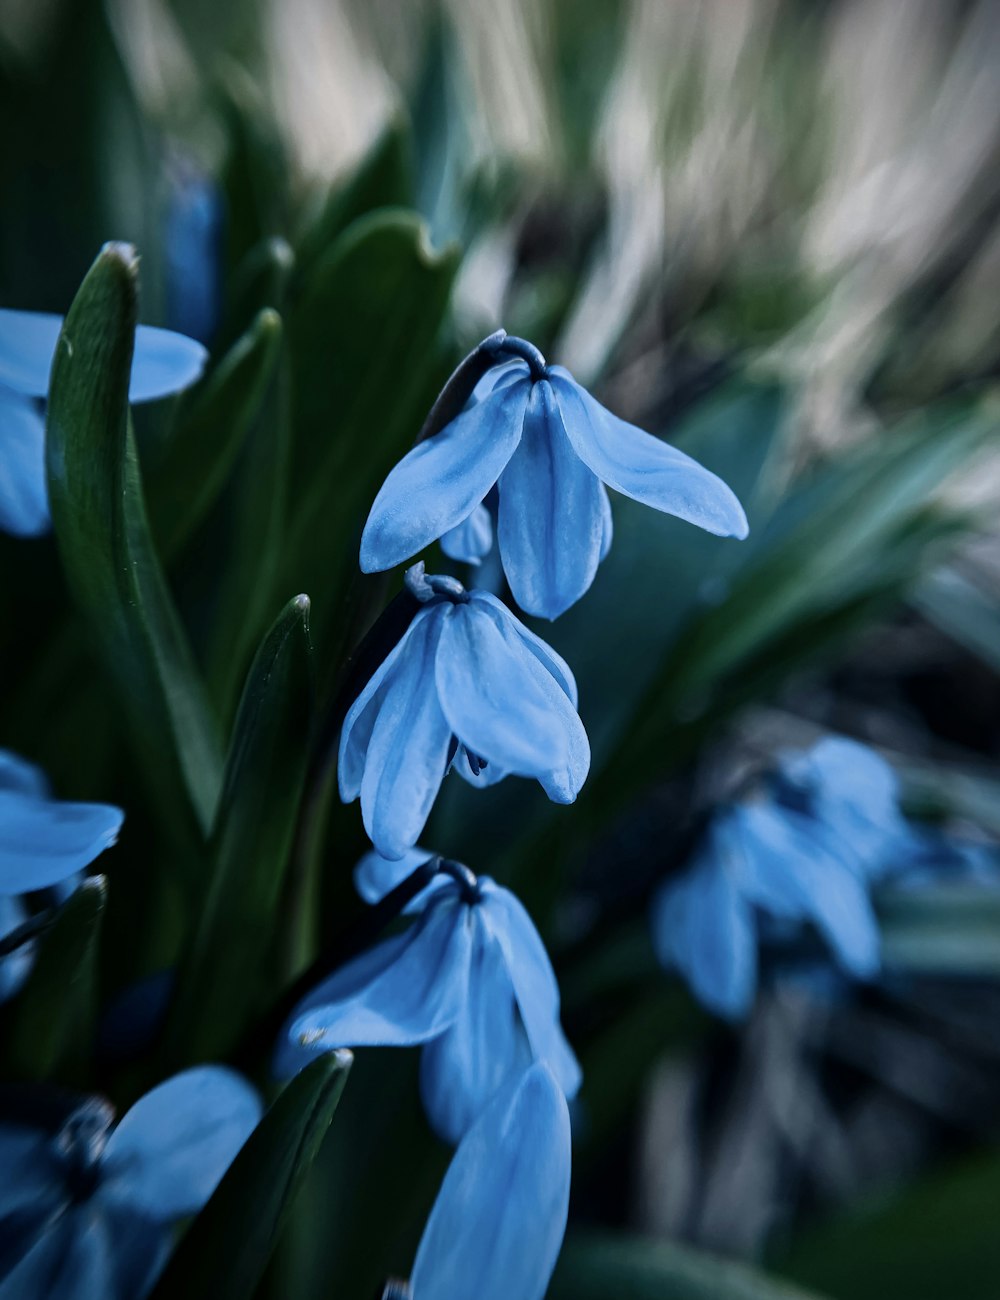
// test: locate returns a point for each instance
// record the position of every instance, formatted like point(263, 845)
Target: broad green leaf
point(227, 1247)
point(51, 1035)
point(206, 439)
point(596, 1267)
point(383, 179)
point(933, 1240)
point(366, 365)
point(230, 966)
point(99, 517)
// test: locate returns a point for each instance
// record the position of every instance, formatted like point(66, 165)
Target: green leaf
point(944, 929)
point(227, 973)
point(383, 179)
point(205, 441)
point(111, 567)
point(227, 1247)
point(936, 1238)
point(962, 611)
point(366, 365)
point(52, 1031)
point(632, 1268)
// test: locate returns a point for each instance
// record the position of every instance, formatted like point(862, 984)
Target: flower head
point(551, 450)
point(467, 686)
point(87, 1211)
point(164, 363)
point(470, 979)
point(44, 841)
point(498, 1222)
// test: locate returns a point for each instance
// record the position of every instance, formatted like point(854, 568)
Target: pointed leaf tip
point(118, 251)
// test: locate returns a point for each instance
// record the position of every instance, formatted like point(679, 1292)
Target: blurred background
point(768, 230)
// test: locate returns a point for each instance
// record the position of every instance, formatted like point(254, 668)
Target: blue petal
point(24, 494)
point(164, 362)
point(607, 524)
point(167, 1155)
point(440, 482)
point(703, 927)
point(44, 841)
point(19, 775)
point(792, 871)
point(641, 466)
point(356, 732)
point(405, 990)
point(408, 751)
point(551, 515)
point(503, 704)
point(470, 540)
point(534, 983)
point(543, 652)
point(498, 1222)
point(68, 1260)
point(32, 1177)
point(375, 876)
point(484, 1049)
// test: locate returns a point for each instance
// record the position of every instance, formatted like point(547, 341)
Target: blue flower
point(760, 862)
point(550, 449)
point(164, 363)
point(467, 685)
point(193, 237)
point(87, 1211)
point(470, 979)
point(497, 1224)
point(44, 841)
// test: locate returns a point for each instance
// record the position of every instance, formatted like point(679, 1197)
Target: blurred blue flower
point(470, 979)
point(497, 1225)
point(193, 249)
point(467, 686)
point(550, 449)
point(44, 841)
point(163, 363)
point(87, 1213)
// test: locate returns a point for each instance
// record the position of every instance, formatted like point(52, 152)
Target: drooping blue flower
point(470, 979)
point(86, 1213)
point(467, 686)
point(44, 841)
point(497, 1224)
point(164, 363)
point(551, 450)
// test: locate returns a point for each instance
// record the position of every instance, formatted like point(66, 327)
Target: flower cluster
point(803, 850)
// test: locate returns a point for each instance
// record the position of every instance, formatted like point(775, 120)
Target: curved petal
point(472, 539)
point(164, 362)
point(485, 1048)
point(375, 876)
point(17, 774)
point(550, 523)
point(44, 841)
point(27, 346)
point(170, 1150)
point(534, 983)
point(32, 1178)
point(357, 729)
point(499, 1218)
point(607, 524)
point(24, 493)
point(441, 481)
point(646, 468)
point(405, 990)
point(408, 751)
point(703, 927)
point(505, 706)
point(543, 652)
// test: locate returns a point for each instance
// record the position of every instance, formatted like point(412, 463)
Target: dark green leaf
point(99, 517)
point(227, 1247)
point(205, 441)
point(52, 1031)
point(227, 971)
point(962, 611)
point(631, 1268)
